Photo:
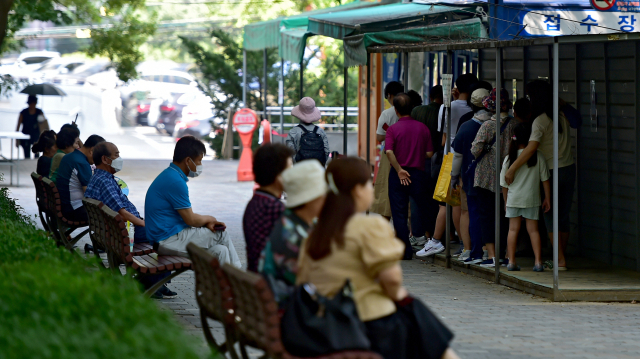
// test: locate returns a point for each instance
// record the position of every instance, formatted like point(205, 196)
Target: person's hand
point(404, 177)
point(455, 93)
point(546, 205)
point(455, 181)
point(212, 225)
point(509, 176)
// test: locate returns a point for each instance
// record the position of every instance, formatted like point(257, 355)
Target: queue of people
point(415, 158)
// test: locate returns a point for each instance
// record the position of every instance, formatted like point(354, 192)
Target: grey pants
point(217, 243)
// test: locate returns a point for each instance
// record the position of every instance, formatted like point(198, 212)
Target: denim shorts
point(566, 185)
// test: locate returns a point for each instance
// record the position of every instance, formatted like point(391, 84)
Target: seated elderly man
point(171, 223)
point(104, 188)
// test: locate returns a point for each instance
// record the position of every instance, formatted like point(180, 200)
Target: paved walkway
point(489, 321)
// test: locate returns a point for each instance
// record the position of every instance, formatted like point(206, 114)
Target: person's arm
point(457, 163)
point(450, 354)
point(131, 218)
point(546, 204)
point(402, 174)
point(19, 123)
point(529, 151)
point(379, 138)
point(197, 220)
point(391, 282)
point(429, 154)
point(327, 150)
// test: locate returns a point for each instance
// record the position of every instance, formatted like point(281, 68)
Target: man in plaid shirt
point(265, 207)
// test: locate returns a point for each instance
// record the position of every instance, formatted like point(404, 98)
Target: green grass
point(53, 304)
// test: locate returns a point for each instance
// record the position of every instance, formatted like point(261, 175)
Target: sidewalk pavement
point(489, 320)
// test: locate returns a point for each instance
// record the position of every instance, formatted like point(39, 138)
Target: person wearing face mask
point(104, 188)
point(171, 223)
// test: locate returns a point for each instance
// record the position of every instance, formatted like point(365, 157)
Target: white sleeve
point(381, 121)
point(446, 119)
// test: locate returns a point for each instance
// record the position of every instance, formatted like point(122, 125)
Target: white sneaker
point(435, 249)
point(485, 255)
point(427, 248)
point(465, 254)
point(417, 241)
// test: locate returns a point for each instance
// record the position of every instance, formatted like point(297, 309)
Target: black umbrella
point(45, 89)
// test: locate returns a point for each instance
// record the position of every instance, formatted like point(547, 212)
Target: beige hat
point(304, 182)
point(478, 95)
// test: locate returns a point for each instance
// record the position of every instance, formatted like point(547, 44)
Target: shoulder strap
point(303, 129)
point(315, 129)
point(504, 125)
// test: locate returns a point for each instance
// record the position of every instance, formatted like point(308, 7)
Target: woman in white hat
point(308, 140)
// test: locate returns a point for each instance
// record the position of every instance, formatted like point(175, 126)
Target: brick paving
point(489, 320)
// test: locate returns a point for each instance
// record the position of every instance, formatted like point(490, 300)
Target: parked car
point(195, 128)
point(53, 67)
point(169, 81)
point(27, 63)
point(172, 107)
point(80, 74)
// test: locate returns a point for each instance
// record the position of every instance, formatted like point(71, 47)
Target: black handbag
point(313, 325)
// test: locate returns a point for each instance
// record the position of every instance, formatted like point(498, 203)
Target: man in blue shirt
point(73, 176)
point(104, 188)
point(170, 220)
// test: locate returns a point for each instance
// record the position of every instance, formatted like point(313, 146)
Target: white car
point(53, 67)
point(27, 63)
point(169, 81)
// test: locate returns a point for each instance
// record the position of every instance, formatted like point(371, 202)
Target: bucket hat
point(304, 182)
point(306, 111)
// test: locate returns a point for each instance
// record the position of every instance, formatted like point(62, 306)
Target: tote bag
point(444, 192)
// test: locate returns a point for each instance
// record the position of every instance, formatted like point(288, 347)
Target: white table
point(10, 161)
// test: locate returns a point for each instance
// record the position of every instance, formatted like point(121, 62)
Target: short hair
point(436, 93)
point(464, 82)
point(70, 125)
point(67, 137)
point(188, 146)
point(32, 99)
point(480, 85)
point(522, 108)
point(92, 141)
point(402, 104)
point(416, 99)
point(393, 88)
point(269, 161)
point(101, 149)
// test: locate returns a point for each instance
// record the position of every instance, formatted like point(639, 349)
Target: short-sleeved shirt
point(261, 213)
point(44, 166)
point(410, 141)
point(462, 145)
point(167, 194)
point(524, 192)
point(104, 188)
point(485, 176)
point(387, 119)
point(73, 173)
point(429, 116)
point(370, 247)
point(55, 163)
point(458, 109)
point(542, 132)
point(30, 123)
point(279, 259)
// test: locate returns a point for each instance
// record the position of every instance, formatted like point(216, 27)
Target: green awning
point(383, 18)
point(262, 35)
point(355, 47)
point(266, 34)
point(293, 42)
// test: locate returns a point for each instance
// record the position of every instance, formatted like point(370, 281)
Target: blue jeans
point(399, 196)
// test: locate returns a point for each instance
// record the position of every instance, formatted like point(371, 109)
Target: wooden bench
point(117, 245)
point(213, 294)
point(62, 228)
point(41, 200)
point(98, 232)
point(256, 318)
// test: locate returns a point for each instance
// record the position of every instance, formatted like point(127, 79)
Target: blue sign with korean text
point(582, 22)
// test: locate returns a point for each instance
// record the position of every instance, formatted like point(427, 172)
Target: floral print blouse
point(486, 170)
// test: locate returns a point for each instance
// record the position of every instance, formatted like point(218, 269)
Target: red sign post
point(245, 122)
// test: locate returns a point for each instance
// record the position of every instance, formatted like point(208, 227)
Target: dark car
point(195, 128)
point(170, 113)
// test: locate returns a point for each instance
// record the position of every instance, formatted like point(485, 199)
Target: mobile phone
point(219, 227)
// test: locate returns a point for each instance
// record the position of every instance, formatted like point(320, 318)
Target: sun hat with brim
point(304, 182)
point(477, 96)
point(306, 111)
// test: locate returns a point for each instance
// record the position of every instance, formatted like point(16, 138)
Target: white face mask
point(117, 163)
point(198, 169)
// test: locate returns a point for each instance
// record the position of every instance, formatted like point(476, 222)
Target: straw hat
point(306, 111)
point(304, 182)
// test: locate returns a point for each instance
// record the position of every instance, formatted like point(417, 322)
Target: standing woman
point(30, 118)
point(47, 145)
point(541, 96)
point(348, 244)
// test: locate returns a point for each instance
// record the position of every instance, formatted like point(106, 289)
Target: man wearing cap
point(308, 140)
point(306, 191)
point(408, 145)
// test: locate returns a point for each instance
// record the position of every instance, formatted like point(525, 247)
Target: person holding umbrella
point(30, 118)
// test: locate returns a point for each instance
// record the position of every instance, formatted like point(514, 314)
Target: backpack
point(311, 146)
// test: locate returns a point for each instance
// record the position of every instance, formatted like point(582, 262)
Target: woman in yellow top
point(347, 244)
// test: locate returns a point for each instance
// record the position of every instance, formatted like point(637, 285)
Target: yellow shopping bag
point(444, 192)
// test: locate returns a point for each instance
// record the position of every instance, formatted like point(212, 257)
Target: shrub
point(54, 305)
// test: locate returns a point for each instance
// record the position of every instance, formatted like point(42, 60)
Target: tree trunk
point(5, 7)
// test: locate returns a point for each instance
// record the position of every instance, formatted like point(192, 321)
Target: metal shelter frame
point(554, 42)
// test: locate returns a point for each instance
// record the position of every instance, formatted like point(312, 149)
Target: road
point(489, 320)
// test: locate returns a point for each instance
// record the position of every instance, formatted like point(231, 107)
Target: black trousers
point(399, 196)
point(486, 206)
